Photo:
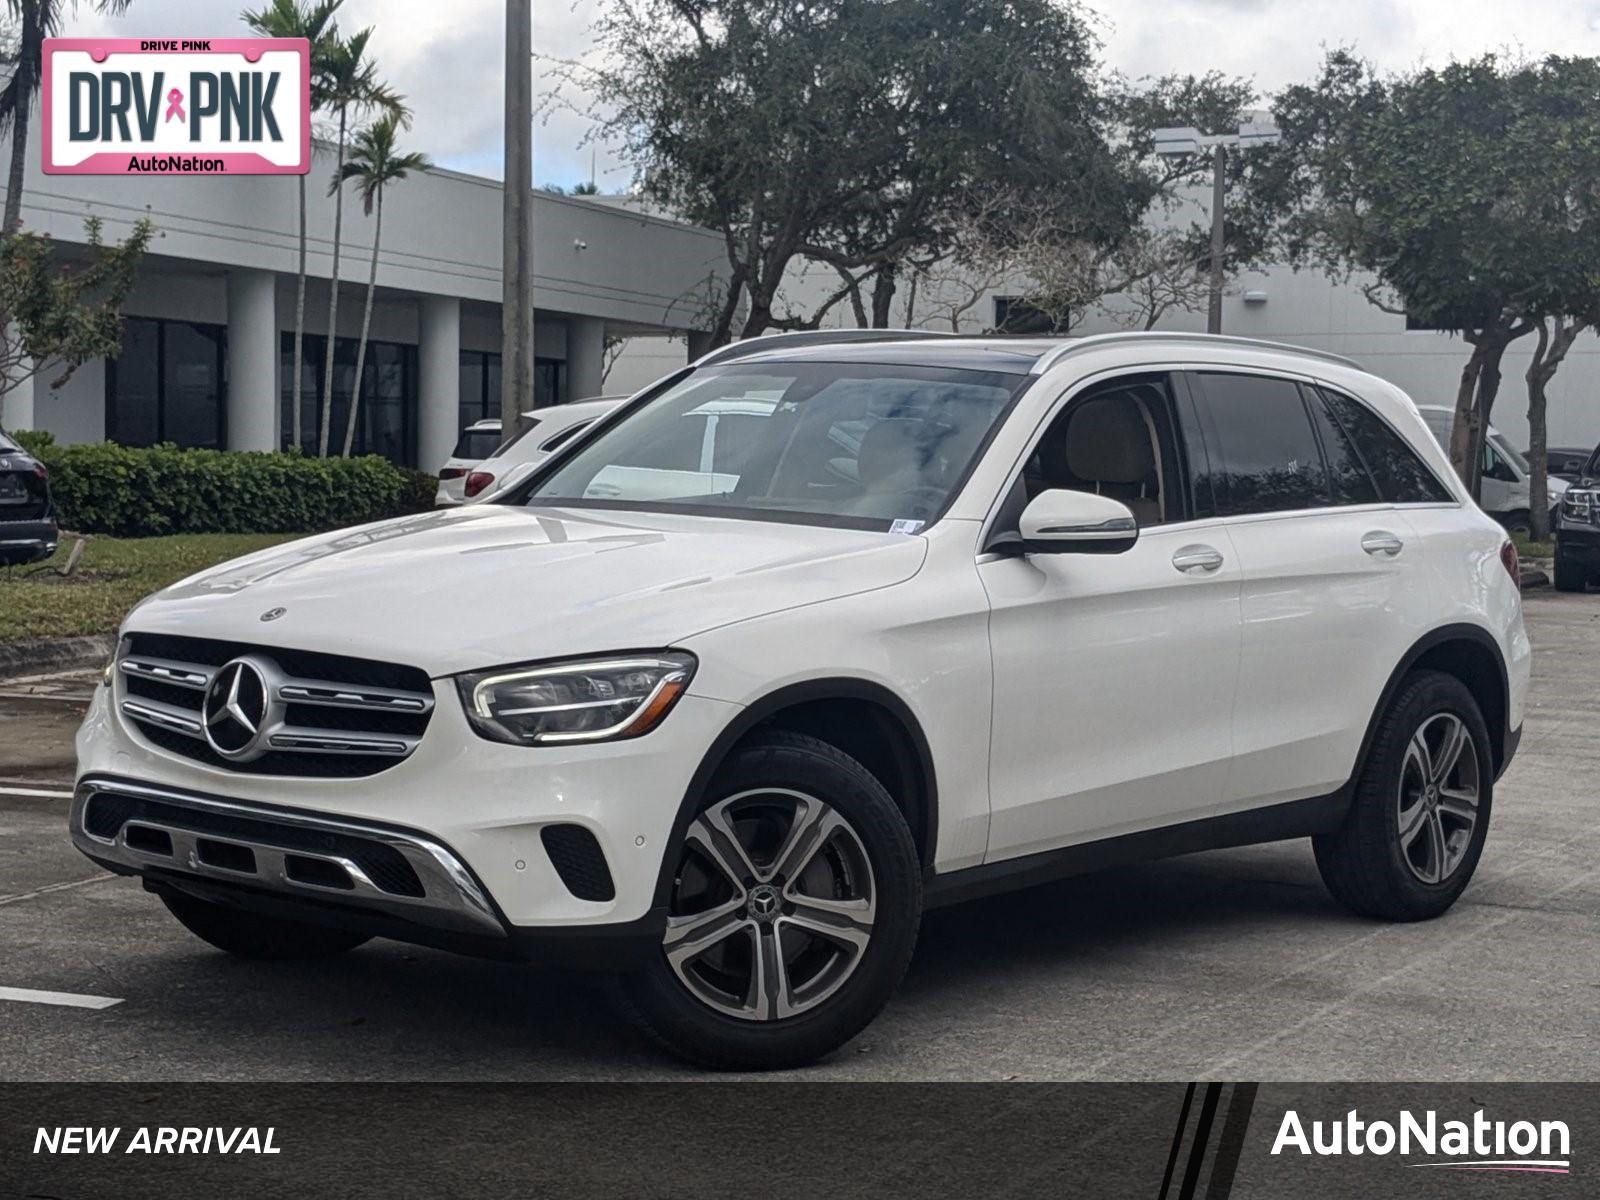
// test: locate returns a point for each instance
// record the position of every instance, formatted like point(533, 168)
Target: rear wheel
point(794, 911)
point(1519, 522)
point(1420, 813)
point(249, 935)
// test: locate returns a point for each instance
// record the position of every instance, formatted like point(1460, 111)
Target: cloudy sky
point(448, 58)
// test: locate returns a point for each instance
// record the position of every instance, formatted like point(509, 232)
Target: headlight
point(1577, 505)
point(587, 700)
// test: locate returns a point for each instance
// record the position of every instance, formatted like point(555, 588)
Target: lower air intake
point(579, 861)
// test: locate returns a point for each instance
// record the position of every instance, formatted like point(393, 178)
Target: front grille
point(321, 715)
point(108, 812)
point(579, 861)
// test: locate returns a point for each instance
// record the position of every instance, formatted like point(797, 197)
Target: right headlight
point(582, 700)
point(1580, 505)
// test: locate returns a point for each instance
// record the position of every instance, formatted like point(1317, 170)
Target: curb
point(45, 654)
point(1533, 578)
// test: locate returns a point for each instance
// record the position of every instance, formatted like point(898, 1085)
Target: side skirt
point(1275, 823)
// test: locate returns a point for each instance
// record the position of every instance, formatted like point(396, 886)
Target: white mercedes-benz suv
point(939, 616)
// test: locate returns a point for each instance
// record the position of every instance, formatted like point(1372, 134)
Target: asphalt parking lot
point(1232, 964)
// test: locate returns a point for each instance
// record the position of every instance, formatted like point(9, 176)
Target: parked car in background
point(951, 616)
point(548, 430)
point(1503, 491)
point(1578, 530)
point(476, 443)
point(27, 513)
point(1566, 462)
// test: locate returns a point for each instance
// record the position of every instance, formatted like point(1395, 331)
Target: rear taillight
point(1509, 560)
point(452, 473)
point(476, 482)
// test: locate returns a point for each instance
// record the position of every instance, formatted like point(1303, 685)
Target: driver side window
point(1119, 439)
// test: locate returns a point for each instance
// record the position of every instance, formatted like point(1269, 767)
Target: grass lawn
point(1531, 549)
point(112, 576)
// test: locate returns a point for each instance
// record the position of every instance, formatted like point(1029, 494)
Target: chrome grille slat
point(164, 715)
point(165, 670)
point(306, 691)
point(323, 715)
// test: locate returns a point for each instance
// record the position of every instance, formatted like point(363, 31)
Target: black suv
point(1578, 530)
point(27, 516)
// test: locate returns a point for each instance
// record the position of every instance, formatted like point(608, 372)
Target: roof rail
point(812, 337)
point(1066, 349)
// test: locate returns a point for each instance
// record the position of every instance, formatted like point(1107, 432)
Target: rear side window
point(565, 436)
point(1401, 475)
point(1264, 453)
point(1347, 471)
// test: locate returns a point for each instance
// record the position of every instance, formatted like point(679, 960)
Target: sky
point(448, 59)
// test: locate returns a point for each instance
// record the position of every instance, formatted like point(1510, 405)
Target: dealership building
point(207, 343)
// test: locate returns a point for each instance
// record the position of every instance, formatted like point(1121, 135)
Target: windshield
point(1511, 454)
point(859, 445)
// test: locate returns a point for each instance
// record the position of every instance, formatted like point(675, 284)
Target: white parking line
point(64, 999)
point(37, 793)
point(19, 897)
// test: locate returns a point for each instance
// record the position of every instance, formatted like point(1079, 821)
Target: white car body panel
point(1063, 698)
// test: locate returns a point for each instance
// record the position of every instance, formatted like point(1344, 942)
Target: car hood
point(487, 585)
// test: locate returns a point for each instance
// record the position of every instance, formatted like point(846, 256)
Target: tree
point(63, 313)
point(1465, 192)
point(374, 164)
point(841, 132)
point(315, 23)
point(35, 21)
point(1555, 337)
point(352, 88)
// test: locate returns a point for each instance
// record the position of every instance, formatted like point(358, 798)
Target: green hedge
point(148, 492)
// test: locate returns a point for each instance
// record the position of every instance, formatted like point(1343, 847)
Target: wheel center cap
point(764, 903)
point(1431, 795)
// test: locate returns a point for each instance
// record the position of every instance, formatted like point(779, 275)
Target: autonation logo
point(1476, 1145)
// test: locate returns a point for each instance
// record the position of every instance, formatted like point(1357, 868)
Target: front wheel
point(1569, 576)
point(795, 902)
point(1420, 813)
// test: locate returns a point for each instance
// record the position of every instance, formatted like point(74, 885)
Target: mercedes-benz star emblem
point(236, 710)
point(764, 903)
point(272, 614)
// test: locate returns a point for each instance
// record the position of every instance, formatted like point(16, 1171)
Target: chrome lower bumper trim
point(452, 898)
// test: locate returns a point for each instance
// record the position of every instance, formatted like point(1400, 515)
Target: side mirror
point(1061, 521)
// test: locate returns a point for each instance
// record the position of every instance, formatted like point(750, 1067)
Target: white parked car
point(476, 443)
point(951, 616)
point(1506, 480)
point(548, 430)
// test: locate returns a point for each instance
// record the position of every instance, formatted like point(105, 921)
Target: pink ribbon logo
point(175, 106)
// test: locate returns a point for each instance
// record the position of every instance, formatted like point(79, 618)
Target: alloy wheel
point(1438, 797)
point(772, 907)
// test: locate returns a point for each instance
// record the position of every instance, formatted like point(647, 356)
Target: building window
point(549, 382)
point(386, 420)
point(480, 386)
point(1013, 314)
point(167, 385)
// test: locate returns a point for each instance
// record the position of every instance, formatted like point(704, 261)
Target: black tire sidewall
point(688, 1027)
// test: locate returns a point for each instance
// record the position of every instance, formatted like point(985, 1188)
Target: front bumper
point(484, 805)
point(1578, 544)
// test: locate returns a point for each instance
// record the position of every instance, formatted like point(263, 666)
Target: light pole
point(1185, 140)
point(516, 259)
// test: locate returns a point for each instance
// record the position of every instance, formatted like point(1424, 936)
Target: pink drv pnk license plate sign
point(176, 106)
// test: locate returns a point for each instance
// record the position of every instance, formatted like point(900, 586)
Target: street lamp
point(1184, 140)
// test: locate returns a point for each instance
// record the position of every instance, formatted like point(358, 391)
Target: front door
point(1114, 674)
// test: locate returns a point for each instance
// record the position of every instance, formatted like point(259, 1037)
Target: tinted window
point(1265, 456)
point(477, 444)
point(1347, 473)
point(1402, 477)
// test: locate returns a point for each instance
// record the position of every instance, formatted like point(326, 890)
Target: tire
point(249, 935)
point(1519, 522)
point(704, 1004)
point(1569, 576)
point(1368, 865)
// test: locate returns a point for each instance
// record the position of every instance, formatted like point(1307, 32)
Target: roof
point(1010, 355)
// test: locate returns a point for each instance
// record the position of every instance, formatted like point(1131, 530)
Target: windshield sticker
point(906, 526)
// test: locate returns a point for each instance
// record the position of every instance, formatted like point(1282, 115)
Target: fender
point(828, 688)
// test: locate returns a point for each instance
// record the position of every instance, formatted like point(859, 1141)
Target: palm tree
point(374, 163)
point(353, 88)
point(315, 23)
point(36, 20)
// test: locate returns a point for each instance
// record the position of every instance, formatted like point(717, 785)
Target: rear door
point(1328, 568)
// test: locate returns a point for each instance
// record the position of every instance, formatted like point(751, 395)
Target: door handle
point(1382, 542)
point(1197, 558)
